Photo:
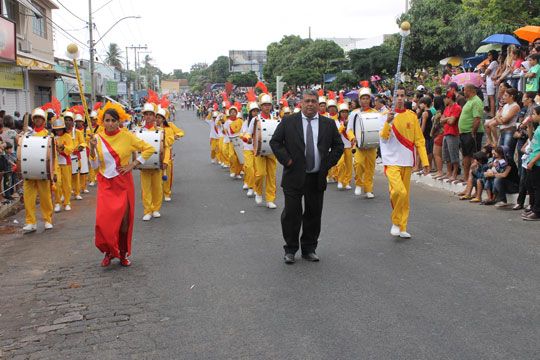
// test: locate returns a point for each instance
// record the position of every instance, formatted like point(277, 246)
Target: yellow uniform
point(364, 159)
point(233, 128)
point(332, 172)
point(32, 188)
point(78, 140)
point(169, 142)
point(345, 164)
point(151, 182)
point(398, 142)
point(63, 175)
point(84, 177)
point(249, 158)
point(91, 171)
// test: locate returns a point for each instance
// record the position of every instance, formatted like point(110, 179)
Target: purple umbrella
point(352, 94)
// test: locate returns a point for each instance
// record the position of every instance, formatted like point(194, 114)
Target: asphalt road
point(208, 280)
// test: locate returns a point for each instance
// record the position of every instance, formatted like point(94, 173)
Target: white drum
point(35, 158)
point(238, 145)
point(84, 162)
point(366, 129)
point(264, 130)
point(157, 140)
point(75, 164)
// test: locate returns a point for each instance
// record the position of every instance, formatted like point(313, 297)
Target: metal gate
point(42, 95)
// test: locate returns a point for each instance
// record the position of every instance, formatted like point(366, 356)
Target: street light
point(92, 43)
point(405, 30)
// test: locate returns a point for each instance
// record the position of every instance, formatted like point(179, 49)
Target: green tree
point(344, 80)
point(513, 13)
point(218, 72)
point(245, 80)
point(113, 56)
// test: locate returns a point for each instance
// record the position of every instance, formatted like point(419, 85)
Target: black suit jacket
point(288, 143)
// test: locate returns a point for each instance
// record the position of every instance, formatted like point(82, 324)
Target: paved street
point(208, 280)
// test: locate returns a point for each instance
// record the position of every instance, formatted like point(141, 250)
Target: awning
point(33, 63)
point(51, 72)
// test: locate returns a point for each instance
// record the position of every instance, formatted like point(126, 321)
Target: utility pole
point(136, 53)
point(127, 77)
point(91, 29)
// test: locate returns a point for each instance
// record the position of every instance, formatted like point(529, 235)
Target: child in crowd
point(9, 180)
point(478, 167)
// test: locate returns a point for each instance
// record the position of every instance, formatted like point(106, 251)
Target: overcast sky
point(181, 33)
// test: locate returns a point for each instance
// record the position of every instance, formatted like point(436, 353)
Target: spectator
point(504, 175)
point(8, 134)
point(450, 148)
point(490, 82)
point(533, 75)
point(506, 116)
point(9, 180)
point(2, 114)
point(478, 167)
point(533, 168)
point(471, 128)
point(437, 134)
point(426, 124)
point(17, 116)
point(380, 105)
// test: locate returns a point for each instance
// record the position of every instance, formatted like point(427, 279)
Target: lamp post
point(405, 30)
point(73, 53)
point(92, 49)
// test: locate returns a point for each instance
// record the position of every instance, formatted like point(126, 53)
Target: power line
point(72, 13)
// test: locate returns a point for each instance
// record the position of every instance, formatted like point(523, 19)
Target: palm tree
point(113, 56)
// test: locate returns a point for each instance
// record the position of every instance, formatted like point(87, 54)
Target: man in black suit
point(307, 145)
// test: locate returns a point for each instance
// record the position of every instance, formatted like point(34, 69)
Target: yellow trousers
point(31, 189)
point(92, 175)
point(344, 167)
point(167, 184)
point(76, 184)
point(151, 190)
point(83, 181)
point(265, 168)
point(364, 168)
point(225, 153)
point(399, 181)
point(249, 168)
point(332, 173)
point(63, 185)
point(236, 167)
point(214, 143)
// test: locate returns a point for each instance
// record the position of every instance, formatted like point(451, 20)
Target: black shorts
point(470, 145)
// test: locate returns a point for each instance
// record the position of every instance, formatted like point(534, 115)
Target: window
point(11, 10)
point(39, 25)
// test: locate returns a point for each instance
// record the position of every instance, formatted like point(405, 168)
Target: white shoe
point(245, 187)
point(370, 195)
point(220, 163)
point(238, 177)
point(213, 161)
point(394, 230)
point(404, 235)
point(348, 187)
point(67, 208)
point(242, 172)
point(48, 226)
point(78, 197)
point(91, 184)
point(226, 166)
point(147, 217)
point(271, 205)
point(250, 193)
point(156, 214)
point(258, 199)
point(358, 191)
point(29, 227)
point(62, 199)
point(232, 176)
point(167, 199)
point(340, 186)
point(330, 180)
point(86, 191)
point(57, 208)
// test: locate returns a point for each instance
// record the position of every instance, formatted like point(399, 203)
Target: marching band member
point(78, 146)
point(265, 166)
point(332, 108)
point(94, 127)
point(79, 125)
point(249, 157)
point(151, 179)
point(214, 137)
point(64, 148)
point(34, 187)
point(364, 159)
point(322, 103)
point(162, 123)
point(110, 153)
point(344, 166)
point(223, 140)
point(400, 135)
point(233, 127)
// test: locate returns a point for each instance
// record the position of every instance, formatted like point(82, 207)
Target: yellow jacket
point(178, 133)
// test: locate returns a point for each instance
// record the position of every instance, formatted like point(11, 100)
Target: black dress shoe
point(289, 259)
point(310, 256)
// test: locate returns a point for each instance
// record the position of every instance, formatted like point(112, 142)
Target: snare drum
point(35, 158)
point(84, 162)
point(238, 145)
point(75, 164)
point(157, 140)
point(263, 131)
point(366, 129)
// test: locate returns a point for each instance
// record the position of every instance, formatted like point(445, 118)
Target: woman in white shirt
point(490, 83)
point(506, 120)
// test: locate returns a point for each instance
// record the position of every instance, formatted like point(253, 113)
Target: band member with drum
point(94, 127)
point(64, 149)
point(110, 153)
point(78, 145)
point(32, 188)
point(151, 179)
point(364, 159)
point(266, 165)
point(400, 135)
point(233, 127)
point(307, 145)
point(162, 123)
point(249, 157)
point(79, 125)
point(345, 164)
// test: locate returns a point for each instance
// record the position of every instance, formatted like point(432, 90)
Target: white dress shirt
point(315, 131)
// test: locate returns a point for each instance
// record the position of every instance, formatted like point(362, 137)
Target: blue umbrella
point(472, 62)
point(501, 39)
